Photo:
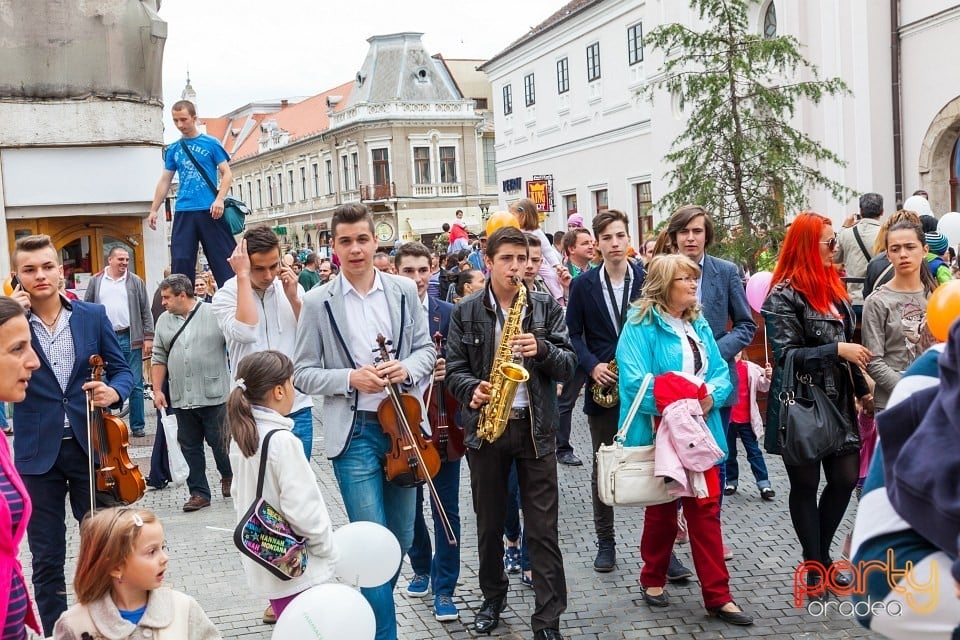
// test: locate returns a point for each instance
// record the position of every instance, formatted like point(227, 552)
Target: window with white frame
point(345, 172)
point(507, 100)
point(269, 191)
point(279, 187)
point(448, 165)
point(529, 90)
point(593, 62)
point(421, 165)
point(328, 166)
point(600, 200)
point(770, 21)
point(563, 75)
point(293, 190)
point(355, 161)
point(259, 194)
point(644, 207)
point(635, 43)
point(303, 183)
point(570, 204)
point(316, 179)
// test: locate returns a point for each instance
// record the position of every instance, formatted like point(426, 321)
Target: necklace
point(53, 323)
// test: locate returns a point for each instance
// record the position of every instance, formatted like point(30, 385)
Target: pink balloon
point(758, 286)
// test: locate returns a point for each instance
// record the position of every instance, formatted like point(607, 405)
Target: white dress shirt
point(522, 399)
point(369, 316)
point(113, 296)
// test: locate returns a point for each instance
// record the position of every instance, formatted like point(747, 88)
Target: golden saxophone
point(606, 397)
point(505, 375)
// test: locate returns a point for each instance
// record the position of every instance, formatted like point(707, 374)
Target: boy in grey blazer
point(336, 341)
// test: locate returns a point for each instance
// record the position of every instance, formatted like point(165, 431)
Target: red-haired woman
point(808, 314)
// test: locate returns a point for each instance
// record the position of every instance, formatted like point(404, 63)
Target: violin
point(441, 408)
point(117, 476)
point(412, 460)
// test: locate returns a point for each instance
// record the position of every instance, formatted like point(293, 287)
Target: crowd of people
point(495, 344)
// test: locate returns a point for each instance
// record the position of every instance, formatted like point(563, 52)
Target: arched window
point(770, 21)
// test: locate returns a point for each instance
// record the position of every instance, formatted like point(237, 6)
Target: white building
point(568, 102)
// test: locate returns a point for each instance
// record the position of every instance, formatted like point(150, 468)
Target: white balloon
point(949, 226)
point(369, 554)
point(327, 611)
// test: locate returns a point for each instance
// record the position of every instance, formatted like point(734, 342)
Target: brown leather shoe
point(269, 617)
point(195, 503)
point(225, 484)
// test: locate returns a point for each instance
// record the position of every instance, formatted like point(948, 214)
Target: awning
point(416, 222)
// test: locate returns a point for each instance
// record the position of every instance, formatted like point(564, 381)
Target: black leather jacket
point(471, 345)
point(793, 325)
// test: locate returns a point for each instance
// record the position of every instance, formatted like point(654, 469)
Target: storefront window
point(77, 268)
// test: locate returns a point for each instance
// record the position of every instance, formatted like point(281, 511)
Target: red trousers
point(706, 545)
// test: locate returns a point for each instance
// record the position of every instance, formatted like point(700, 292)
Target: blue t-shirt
point(134, 616)
point(194, 194)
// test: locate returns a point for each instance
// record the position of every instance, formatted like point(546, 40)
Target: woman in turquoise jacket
point(665, 333)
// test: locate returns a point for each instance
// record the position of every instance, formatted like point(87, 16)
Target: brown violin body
point(403, 466)
point(442, 407)
point(117, 475)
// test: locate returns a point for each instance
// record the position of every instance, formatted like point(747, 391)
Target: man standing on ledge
point(530, 436)
point(124, 295)
point(199, 211)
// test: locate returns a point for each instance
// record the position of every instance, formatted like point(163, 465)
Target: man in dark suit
point(722, 297)
point(596, 310)
point(50, 450)
point(443, 568)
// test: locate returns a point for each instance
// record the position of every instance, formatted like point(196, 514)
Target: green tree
point(739, 156)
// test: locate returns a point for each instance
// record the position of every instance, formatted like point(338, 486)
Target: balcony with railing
point(378, 191)
point(438, 190)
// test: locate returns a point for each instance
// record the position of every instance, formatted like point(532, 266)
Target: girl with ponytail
point(258, 405)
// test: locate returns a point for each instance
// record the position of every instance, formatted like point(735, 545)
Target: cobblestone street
point(205, 564)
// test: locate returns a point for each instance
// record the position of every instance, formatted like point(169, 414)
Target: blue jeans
point(135, 362)
point(754, 455)
point(368, 496)
point(444, 567)
point(303, 428)
point(193, 228)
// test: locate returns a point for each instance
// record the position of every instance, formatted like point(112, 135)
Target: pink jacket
point(685, 448)
point(10, 539)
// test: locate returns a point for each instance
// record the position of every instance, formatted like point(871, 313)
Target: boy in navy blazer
point(50, 448)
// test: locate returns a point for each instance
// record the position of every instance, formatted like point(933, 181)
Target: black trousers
point(539, 498)
point(47, 529)
point(603, 427)
point(567, 401)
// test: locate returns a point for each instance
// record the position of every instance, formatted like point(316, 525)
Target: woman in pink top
point(18, 360)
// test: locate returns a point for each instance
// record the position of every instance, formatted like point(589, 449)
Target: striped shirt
point(14, 627)
point(58, 349)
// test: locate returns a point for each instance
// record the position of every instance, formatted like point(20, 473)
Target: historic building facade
point(411, 136)
point(572, 115)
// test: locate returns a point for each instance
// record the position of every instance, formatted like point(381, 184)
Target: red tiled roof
point(300, 120)
point(216, 127)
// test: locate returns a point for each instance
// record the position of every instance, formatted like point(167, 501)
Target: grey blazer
point(322, 362)
point(723, 299)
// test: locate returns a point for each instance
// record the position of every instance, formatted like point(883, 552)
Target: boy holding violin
point(442, 569)
point(51, 448)
point(336, 358)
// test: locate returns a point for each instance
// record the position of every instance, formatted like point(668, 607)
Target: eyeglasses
point(831, 243)
point(685, 279)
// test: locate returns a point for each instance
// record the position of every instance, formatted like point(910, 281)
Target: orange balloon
point(501, 219)
point(943, 309)
point(8, 286)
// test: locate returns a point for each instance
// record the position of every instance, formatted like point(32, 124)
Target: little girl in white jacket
point(263, 396)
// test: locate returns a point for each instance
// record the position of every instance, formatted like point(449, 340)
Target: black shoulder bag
point(234, 211)
point(811, 425)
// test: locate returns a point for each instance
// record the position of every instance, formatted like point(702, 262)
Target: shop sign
point(540, 190)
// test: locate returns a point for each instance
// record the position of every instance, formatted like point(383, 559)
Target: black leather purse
point(811, 425)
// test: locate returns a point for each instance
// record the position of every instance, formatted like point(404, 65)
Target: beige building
point(411, 136)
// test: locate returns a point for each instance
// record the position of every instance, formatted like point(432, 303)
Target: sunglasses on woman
point(831, 243)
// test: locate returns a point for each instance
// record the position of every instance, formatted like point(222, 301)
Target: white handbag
point(625, 474)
